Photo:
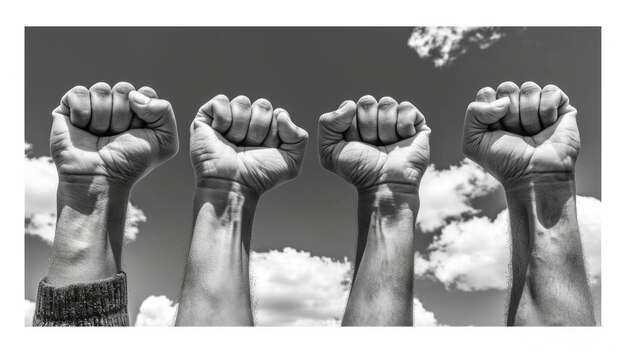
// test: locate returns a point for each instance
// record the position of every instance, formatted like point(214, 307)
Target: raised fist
point(372, 143)
point(522, 134)
point(118, 133)
point(252, 144)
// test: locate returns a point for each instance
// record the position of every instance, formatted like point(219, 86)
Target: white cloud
point(445, 44)
point(134, 216)
point(471, 255)
point(474, 254)
point(156, 311)
point(29, 312)
point(421, 317)
point(446, 194)
point(291, 288)
point(296, 288)
point(40, 184)
point(589, 220)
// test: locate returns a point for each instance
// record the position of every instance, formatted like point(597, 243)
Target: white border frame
point(314, 13)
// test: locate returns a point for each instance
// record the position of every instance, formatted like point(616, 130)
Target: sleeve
point(100, 303)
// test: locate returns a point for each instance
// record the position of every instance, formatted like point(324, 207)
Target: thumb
point(419, 147)
point(293, 138)
point(333, 124)
point(205, 136)
point(482, 114)
point(158, 114)
point(61, 124)
point(478, 117)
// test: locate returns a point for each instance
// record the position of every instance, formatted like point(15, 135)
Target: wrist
point(390, 207)
point(226, 193)
point(544, 192)
point(86, 193)
point(531, 181)
point(90, 229)
point(218, 255)
point(547, 207)
point(389, 195)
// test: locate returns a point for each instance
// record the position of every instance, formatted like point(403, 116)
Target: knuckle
point(79, 91)
point(220, 98)
point(263, 104)
point(100, 88)
point(241, 101)
point(217, 105)
point(406, 106)
point(123, 88)
point(529, 88)
point(366, 101)
point(508, 87)
point(387, 103)
point(551, 88)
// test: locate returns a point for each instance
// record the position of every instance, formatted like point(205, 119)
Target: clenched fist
point(119, 133)
point(522, 134)
point(375, 142)
point(252, 144)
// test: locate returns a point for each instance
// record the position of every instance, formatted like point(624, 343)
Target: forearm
point(91, 215)
point(84, 285)
point(216, 287)
point(549, 281)
point(382, 289)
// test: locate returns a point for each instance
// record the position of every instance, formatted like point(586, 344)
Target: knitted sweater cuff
point(101, 303)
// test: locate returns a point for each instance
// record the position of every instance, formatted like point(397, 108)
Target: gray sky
point(307, 71)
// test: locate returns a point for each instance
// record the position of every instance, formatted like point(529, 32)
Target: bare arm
point(382, 289)
point(239, 150)
point(103, 140)
point(549, 282)
point(382, 149)
point(90, 229)
point(527, 137)
point(216, 288)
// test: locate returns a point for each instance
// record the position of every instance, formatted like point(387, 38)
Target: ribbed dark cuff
point(101, 303)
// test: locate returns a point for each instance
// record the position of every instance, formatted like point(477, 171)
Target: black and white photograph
point(412, 180)
point(416, 177)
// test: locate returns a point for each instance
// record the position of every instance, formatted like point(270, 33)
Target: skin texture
point(381, 148)
point(103, 140)
point(239, 150)
point(528, 139)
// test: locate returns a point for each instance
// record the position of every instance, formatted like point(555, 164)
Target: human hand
point(253, 145)
point(117, 134)
point(527, 134)
point(373, 143)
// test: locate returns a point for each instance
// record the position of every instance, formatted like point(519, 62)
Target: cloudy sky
point(305, 230)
